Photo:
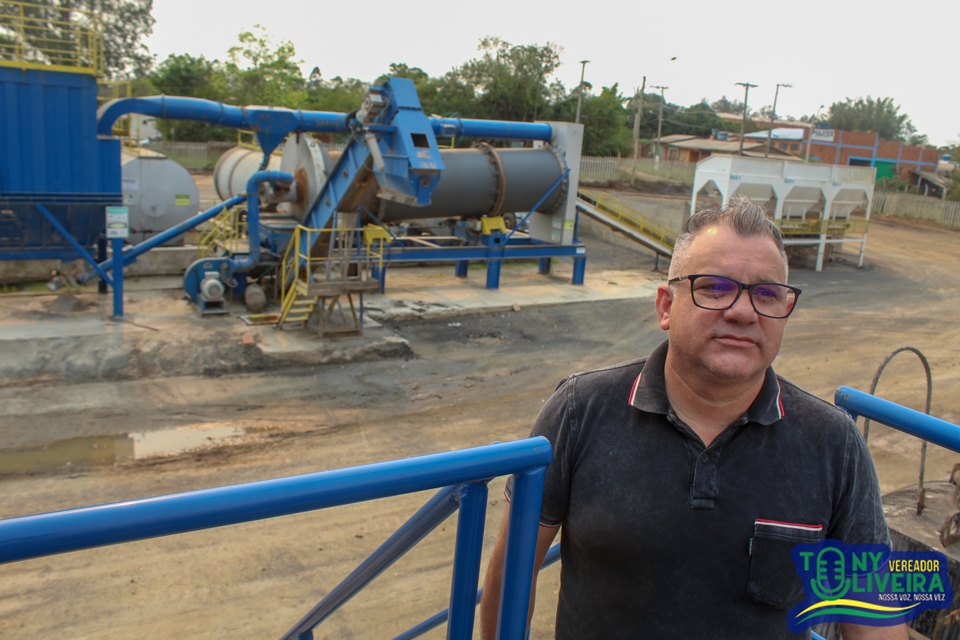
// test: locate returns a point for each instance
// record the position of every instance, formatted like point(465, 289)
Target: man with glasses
point(682, 480)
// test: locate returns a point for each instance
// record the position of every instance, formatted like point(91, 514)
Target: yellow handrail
point(51, 38)
point(631, 217)
point(299, 266)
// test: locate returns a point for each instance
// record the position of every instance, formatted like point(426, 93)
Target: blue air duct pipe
point(130, 255)
point(273, 124)
point(253, 215)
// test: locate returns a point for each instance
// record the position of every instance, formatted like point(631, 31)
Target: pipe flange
point(495, 159)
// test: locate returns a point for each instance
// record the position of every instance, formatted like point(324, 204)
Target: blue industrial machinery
point(63, 172)
point(463, 474)
point(391, 170)
point(51, 157)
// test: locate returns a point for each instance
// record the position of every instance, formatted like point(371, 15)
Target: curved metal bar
point(253, 215)
point(50, 533)
point(921, 494)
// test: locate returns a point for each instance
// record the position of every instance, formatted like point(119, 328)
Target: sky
point(829, 50)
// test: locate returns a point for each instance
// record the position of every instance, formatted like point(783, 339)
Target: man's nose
point(742, 310)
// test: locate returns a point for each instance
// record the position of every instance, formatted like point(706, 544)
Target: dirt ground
point(465, 385)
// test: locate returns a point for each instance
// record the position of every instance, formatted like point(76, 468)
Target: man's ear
point(664, 305)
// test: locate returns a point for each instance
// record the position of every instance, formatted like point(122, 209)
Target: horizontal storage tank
point(159, 194)
point(235, 167)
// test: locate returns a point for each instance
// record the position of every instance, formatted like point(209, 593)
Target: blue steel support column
point(579, 269)
point(520, 553)
point(545, 266)
point(466, 561)
point(73, 242)
point(493, 274)
point(117, 248)
point(461, 268)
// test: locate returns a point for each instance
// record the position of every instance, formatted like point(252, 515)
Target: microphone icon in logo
point(830, 582)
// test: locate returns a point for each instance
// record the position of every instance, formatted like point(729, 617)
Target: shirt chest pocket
point(773, 576)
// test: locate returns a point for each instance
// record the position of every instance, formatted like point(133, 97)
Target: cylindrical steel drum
point(475, 183)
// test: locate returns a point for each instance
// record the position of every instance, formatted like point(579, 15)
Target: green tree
point(605, 128)
point(512, 81)
point(337, 94)
point(122, 23)
point(185, 75)
point(725, 105)
point(880, 116)
point(259, 72)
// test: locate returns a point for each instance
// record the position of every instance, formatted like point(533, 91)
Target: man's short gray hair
point(747, 219)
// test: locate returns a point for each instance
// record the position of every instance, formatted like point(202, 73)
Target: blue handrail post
point(466, 561)
point(520, 554)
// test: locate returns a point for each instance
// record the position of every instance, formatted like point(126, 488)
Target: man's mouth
point(736, 341)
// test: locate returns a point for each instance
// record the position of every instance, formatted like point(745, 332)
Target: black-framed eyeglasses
point(718, 293)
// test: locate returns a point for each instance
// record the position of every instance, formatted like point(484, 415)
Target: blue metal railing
point(463, 474)
point(935, 430)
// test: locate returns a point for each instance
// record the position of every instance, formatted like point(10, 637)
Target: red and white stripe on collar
point(633, 392)
point(780, 410)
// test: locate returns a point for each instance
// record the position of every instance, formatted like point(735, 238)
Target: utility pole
point(773, 116)
point(583, 70)
point(636, 121)
point(743, 123)
point(660, 119)
point(810, 129)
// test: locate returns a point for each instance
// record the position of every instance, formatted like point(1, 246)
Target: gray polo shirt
point(664, 538)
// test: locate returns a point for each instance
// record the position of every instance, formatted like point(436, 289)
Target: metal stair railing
point(462, 474)
point(347, 265)
point(223, 235)
point(610, 206)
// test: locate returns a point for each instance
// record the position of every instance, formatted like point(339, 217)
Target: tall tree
point(725, 105)
point(512, 81)
point(123, 24)
point(259, 72)
point(880, 116)
point(605, 130)
point(185, 75)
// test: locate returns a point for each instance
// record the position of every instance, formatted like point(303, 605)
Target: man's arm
point(861, 632)
point(490, 604)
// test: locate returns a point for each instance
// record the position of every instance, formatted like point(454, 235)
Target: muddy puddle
point(103, 450)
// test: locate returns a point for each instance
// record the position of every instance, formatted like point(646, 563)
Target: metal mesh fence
point(631, 171)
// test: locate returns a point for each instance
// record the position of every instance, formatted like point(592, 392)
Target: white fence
point(905, 205)
point(628, 170)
